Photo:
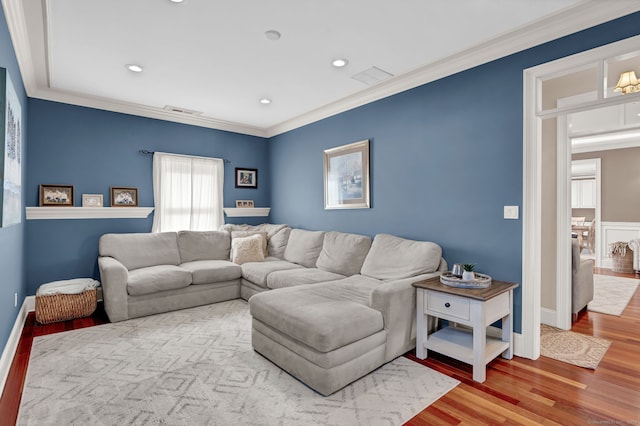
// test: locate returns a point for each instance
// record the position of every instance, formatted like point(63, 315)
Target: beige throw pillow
point(244, 234)
point(248, 249)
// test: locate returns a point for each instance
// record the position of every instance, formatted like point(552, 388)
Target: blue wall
point(94, 150)
point(12, 238)
point(445, 158)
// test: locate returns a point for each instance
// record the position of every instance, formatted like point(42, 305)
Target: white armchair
point(635, 246)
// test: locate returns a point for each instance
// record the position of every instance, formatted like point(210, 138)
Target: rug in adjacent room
point(611, 294)
point(573, 348)
point(196, 367)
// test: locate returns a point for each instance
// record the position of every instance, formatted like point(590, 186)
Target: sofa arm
point(114, 277)
point(582, 286)
point(396, 300)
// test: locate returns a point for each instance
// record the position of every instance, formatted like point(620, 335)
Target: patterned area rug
point(611, 294)
point(197, 367)
point(573, 348)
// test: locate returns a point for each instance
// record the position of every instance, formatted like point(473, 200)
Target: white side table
point(475, 308)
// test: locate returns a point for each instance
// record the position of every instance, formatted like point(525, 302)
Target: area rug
point(573, 348)
point(611, 294)
point(197, 367)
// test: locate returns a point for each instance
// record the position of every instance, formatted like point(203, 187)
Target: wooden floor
point(520, 391)
point(546, 391)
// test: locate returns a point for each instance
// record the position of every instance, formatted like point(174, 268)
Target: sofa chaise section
point(332, 333)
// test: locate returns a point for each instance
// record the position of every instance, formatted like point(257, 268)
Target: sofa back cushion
point(393, 258)
point(141, 250)
point(304, 247)
point(203, 245)
point(343, 253)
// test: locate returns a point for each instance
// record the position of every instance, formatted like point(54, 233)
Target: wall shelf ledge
point(247, 212)
point(87, 212)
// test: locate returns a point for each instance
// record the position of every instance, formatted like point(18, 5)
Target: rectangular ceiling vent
point(181, 110)
point(373, 75)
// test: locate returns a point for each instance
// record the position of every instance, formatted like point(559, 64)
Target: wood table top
point(496, 288)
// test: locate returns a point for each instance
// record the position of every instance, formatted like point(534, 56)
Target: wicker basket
point(63, 307)
point(622, 264)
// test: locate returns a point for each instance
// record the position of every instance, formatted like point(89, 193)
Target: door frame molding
point(532, 171)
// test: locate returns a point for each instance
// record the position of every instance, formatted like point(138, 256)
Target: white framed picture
point(92, 200)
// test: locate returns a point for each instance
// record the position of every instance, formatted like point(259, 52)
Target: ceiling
point(213, 60)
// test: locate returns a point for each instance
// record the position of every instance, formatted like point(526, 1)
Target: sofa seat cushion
point(325, 360)
point(257, 272)
point(294, 277)
point(394, 258)
point(319, 319)
point(212, 271)
point(343, 253)
point(157, 278)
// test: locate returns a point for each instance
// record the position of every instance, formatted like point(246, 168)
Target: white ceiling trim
point(31, 54)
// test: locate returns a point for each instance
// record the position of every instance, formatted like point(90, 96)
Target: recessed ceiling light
point(339, 63)
point(176, 1)
point(272, 35)
point(134, 67)
point(265, 101)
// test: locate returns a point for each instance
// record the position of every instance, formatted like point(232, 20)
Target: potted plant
point(468, 274)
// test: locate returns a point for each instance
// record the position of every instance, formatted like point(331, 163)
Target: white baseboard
point(11, 347)
point(548, 317)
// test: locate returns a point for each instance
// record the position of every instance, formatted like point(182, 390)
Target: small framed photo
point(244, 204)
point(56, 195)
point(124, 197)
point(92, 200)
point(246, 178)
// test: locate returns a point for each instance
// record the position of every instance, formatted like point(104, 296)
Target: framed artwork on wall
point(10, 152)
point(56, 195)
point(124, 197)
point(346, 176)
point(246, 178)
point(92, 200)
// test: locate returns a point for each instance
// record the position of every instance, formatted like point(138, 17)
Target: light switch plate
point(511, 212)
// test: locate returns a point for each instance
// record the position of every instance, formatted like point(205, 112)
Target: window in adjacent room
point(187, 193)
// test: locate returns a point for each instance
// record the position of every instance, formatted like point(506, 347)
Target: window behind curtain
point(187, 193)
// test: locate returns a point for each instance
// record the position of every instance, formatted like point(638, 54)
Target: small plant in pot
point(468, 273)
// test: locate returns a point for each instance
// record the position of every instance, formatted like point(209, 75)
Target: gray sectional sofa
point(339, 305)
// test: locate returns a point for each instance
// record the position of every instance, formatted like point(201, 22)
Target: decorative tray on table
point(480, 281)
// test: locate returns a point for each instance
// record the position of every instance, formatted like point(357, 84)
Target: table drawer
point(454, 306)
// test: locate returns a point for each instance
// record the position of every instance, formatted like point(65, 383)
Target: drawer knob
point(447, 305)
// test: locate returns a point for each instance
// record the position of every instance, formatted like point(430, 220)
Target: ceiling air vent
point(181, 110)
point(371, 76)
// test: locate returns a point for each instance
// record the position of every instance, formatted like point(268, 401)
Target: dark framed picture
point(246, 178)
point(124, 197)
point(346, 176)
point(56, 195)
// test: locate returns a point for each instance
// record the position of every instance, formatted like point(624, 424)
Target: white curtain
point(187, 193)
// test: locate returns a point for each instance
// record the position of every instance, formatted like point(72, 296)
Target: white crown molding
point(584, 15)
point(30, 45)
